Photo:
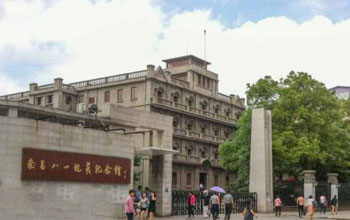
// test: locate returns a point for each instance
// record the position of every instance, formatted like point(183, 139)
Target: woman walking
point(249, 213)
point(129, 205)
point(334, 204)
point(191, 204)
point(311, 206)
point(144, 205)
point(152, 206)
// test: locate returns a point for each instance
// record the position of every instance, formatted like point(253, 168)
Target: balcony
point(192, 110)
point(199, 136)
point(188, 159)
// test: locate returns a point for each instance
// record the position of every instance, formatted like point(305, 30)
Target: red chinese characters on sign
point(51, 165)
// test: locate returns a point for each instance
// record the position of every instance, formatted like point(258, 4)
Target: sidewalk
point(262, 216)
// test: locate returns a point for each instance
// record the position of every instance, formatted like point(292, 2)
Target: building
point(342, 92)
point(39, 145)
point(186, 90)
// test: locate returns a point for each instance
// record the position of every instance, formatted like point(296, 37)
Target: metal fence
point(323, 188)
point(180, 202)
point(344, 194)
point(288, 192)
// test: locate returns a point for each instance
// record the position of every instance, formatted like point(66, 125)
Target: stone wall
point(39, 200)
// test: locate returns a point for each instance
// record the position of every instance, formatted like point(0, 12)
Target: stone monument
point(260, 180)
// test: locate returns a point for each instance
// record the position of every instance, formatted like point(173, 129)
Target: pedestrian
point(311, 206)
point(278, 206)
point(206, 211)
point(152, 205)
point(214, 205)
point(323, 202)
point(129, 205)
point(191, 204)
point(228, 201)
point(300, 203)
point(248, 213)
point(138, 193)
point(334, 204)
point(144, 202)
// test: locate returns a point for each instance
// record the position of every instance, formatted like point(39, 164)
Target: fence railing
point(15, 96)
point(180, 202)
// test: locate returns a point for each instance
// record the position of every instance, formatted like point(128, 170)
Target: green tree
point(308, 127)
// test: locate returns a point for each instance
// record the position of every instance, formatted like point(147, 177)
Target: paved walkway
point(261, 216)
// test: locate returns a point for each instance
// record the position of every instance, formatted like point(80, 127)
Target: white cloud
point(125, 35)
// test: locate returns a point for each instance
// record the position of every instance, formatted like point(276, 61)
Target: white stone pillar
point(333, 180)
point(260, 180)
point(309, 183)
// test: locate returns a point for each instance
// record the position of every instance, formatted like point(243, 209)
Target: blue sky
point(246, 39)
point(235, 12)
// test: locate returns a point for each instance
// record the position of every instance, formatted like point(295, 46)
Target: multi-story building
point(186, 90)
point(342, 92)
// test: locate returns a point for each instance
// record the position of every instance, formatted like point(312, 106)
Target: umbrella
point(217, 189)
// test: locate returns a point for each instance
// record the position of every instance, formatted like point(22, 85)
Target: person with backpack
point(248, 213)
point(278, 206)
point(214, 204)
point(206, 211)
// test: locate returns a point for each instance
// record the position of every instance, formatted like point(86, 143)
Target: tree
point(307, 127)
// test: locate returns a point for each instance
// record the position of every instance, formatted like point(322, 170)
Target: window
point(190, 103)
point(227, 113)
point(176, 98)
point(189, 151)
point(175, 147)
point(216, 132)
point(216, 180)
point(81, 99)
point(107, 96)
point(216, 109)
point(174, 179)
point(120, 95)
point(38, 101)
point(216, 155)
point(68, 100)
point(204, 130)
point(203, 154)
point(3, 111)
point(227, 135)
point(92, 100)
point(175, 123)
point(189, 126)
point(189, 178)
point(49, 99)
point(133, 93)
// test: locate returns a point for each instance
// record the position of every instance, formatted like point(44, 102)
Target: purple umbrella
point(217, 189)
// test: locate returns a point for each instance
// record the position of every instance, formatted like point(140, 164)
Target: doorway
point(203, 179)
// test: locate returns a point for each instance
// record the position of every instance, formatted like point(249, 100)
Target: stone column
point(309, 183)
point(333, 180)
point(260, 180)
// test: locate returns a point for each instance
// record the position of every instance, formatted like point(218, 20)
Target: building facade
point(185, 90)
point(342, 92)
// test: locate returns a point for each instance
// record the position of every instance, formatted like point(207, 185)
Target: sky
point(246, 39)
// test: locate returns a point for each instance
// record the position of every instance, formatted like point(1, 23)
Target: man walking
point(323, 201)
point(206, 211)
point(278, 206)
point(214, 205)
point(300, 203)
point(228, 200)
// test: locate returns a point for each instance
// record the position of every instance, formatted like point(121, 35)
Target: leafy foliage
point(310, 129)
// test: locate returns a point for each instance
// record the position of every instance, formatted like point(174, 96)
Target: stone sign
point(38, 164)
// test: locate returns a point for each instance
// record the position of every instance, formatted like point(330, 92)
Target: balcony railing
point(48, 86)
point(194, 134)
point(180, 82)
point(193, 110)
point(208, 137)
point(15, 96)
point(224, 97)
point(109, 79)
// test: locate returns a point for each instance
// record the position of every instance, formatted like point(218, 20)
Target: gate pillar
point(309, 183)
point(333, 180)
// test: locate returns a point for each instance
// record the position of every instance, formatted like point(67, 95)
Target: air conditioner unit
point(81, 108)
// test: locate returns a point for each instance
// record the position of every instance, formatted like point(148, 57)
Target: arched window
point(190, 101)
point(160, 92)
point(204, 105)
point(176, 97)
point(217, 109)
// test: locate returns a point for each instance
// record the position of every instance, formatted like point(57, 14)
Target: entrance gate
point(323, 188)
point(180, 202)
point(344, 194)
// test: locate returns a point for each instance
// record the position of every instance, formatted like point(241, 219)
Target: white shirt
point(322, 199)
point(310, 201)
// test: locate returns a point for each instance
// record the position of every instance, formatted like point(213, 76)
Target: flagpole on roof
point(205, 48)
